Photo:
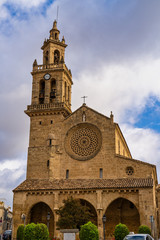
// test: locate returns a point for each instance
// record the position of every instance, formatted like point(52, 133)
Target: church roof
point(85, 106)
point(68, 184)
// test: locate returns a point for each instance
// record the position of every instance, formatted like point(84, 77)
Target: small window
point(129, 171)
point(119, 147)
point(47, 163)
point(51, 121)
point(67, 174)
point(50, 142)
point(101, 173)
point(40, 122)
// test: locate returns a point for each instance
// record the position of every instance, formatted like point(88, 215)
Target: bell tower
point(50, 105)
point(52, 81)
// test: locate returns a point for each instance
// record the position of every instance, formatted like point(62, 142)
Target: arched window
point(101, 173)
point(46, 56)
point(67, 174)
point(41, 91)
point(53, 89)
point(56, 57)
point(65, 90)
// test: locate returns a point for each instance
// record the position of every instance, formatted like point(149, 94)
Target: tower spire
point(54, 32)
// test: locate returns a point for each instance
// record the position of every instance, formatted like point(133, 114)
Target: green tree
point(29, 232)
point(89, 232)
point(20, 232)
point(120, 231)
point(41, 232)
point(73, 214)
point(144, 229)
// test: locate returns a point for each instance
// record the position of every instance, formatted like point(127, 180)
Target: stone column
point(56, 207)
point(99, 213)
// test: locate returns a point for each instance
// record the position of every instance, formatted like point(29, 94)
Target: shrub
point(41, 232)
point(144, 229)
point(20, 232)
point(120, 231)
point(29, 232)
point(88, 232)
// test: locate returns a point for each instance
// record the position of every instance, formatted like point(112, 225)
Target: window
point(47, 163)
point(40, 122)
point(65, 87)
point(50, 142)
point(41, 91)
point(46, 57)
point(53, 89)
point(51, 121)
point(67, 174)
point(56, 57)
point(119, 148)
point(101, 173)
point(129, 171)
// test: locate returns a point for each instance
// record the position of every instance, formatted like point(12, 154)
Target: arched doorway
point(91, 210)
point(121, 211)
point(42, 213)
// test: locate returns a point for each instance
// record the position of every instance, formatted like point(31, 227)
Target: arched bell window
point(46, 57)
point(41, 91)
point(56, 57)
point(53, 89)
point(65, 89)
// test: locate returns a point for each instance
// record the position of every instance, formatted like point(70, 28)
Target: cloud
point(121, 88)
point(11, 174)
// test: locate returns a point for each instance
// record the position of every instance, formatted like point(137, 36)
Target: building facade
point(82, 154)
point(5, 218)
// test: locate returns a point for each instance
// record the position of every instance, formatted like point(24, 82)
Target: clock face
point(47, 76)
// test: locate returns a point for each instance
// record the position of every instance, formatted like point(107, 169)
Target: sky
point(114, 55)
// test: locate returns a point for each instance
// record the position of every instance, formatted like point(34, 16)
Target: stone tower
point(81, 154)
point(51, 103)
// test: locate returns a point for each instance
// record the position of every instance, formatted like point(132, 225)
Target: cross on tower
point(84, 99)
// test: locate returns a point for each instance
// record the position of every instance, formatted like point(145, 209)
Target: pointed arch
point(41, 91)
point(38, 214)
point(91, 209)
point(56, 56)
point(53, 88)
point(121, 210)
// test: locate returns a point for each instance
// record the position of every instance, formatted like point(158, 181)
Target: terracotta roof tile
point(67, 184)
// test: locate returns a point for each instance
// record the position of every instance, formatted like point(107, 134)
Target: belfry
point(82, 154)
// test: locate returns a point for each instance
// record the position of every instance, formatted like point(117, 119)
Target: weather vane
point(84, 99)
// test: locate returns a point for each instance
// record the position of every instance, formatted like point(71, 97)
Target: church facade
point(82, 154)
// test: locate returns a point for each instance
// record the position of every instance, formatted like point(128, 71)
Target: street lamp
point(23, 217)
point(48, 218)
point(104, 221)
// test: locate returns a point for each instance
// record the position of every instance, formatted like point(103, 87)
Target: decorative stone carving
point(83, 141)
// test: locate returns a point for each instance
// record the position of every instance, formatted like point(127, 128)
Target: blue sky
point(114, 54)
point(150, 116)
